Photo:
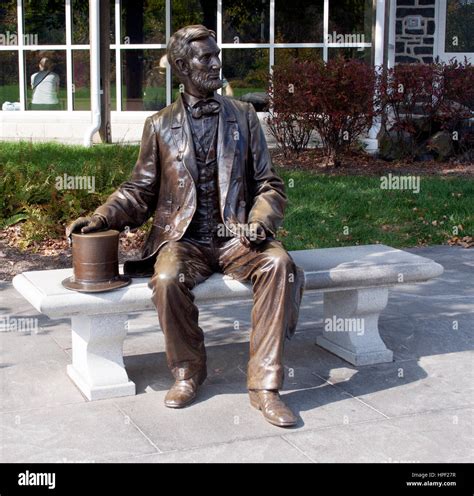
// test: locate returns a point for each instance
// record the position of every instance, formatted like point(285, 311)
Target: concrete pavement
point(418, 408)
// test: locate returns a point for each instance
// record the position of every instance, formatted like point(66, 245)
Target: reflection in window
point(143, 21)
point(245, 22)
point(283, 55)
point(81, 80)
point(351, 17)
point(186, 12)
point(9, 87)
point(144, 79)
point(299, 21)
point(45, 19)
point(459, 26)
point(246, 70)
point(363, 54)
point(80, 22)
point(8, 18)
point(46, 79)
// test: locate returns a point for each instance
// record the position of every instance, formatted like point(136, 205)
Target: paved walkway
point(417, 409)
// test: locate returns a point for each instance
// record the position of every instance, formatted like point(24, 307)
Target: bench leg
point(97, 356)
point(351, 325)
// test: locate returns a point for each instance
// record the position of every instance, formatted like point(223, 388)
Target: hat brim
point(96, 287)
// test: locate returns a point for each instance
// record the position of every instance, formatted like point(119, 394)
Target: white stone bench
point(355, 282)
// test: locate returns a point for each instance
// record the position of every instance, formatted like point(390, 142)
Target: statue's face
point(204, 65)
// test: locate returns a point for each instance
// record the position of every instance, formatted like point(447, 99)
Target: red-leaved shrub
point(335, 99)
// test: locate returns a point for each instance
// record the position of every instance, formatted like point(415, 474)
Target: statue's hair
point(179, 44)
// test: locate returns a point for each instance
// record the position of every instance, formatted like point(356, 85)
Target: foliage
point(333, 98)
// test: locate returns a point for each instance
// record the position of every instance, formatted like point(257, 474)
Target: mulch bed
point(355, 163)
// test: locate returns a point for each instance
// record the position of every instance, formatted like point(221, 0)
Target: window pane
point(9, 86)
point(81, 79)
point(80, 22)
point(459, 26)
point(186, 12)
point(8, 18)
point(351, 53)
point(46, 79)
point(245, 22)
point(113, 81)
point(246, 71)
point(284, 54)
point(144, 79)
point(352, 19)
point(45, 19)
point(299, 21)
point(143, 21)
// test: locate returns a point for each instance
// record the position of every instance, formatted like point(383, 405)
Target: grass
point(323, 211)
point(329, 211)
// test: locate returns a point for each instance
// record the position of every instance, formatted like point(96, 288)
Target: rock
point(259, 100)
point(441, 144)
point(394, 147)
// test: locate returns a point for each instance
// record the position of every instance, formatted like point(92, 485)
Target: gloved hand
point(86, 225)
point(253, 233)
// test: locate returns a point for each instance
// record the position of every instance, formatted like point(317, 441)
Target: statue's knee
point(283, 264)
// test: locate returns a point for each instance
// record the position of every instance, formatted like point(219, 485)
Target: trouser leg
point(277, 291)
point(180, 265)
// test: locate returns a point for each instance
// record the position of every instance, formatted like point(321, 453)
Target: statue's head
point(194, 56)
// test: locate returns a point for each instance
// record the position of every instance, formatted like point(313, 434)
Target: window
point(8, 20)
point(299, 21)
point(143, 21)
point(254, 35)
point(459, 25)
point(144, 80)
point(45, 76)
point(455, 19)
point(9, 84)
point(246, 70)
point(45, 20)
point(245, 22)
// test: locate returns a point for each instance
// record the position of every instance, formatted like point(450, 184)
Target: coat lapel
point(182, 138)
point(228, 134)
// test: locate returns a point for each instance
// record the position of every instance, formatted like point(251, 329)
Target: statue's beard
point(203, 81)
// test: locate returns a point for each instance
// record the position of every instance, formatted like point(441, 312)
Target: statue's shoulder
point(236, 105)
point(163, 114)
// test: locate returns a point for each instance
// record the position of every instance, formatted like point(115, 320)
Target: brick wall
point(414, 44)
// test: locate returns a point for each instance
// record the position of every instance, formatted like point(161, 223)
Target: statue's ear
point(182, 66)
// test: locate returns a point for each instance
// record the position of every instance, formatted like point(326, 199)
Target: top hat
point(95, 263)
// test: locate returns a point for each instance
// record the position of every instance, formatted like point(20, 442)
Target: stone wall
point(415, 44)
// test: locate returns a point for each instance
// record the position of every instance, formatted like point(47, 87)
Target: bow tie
point(205, 107)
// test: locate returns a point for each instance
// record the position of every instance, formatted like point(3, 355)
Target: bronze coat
point(163, 180)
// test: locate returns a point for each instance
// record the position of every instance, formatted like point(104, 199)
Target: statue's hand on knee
point(254, 233)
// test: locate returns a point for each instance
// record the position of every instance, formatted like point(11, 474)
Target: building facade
point(254, 36)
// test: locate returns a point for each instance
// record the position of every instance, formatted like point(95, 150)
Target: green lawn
point(323, 211)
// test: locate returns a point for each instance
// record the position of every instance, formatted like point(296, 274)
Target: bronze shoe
point(272, 407)
point(183, 392)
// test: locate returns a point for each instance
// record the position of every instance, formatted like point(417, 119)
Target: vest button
point(167, 227)
point(242, 203)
